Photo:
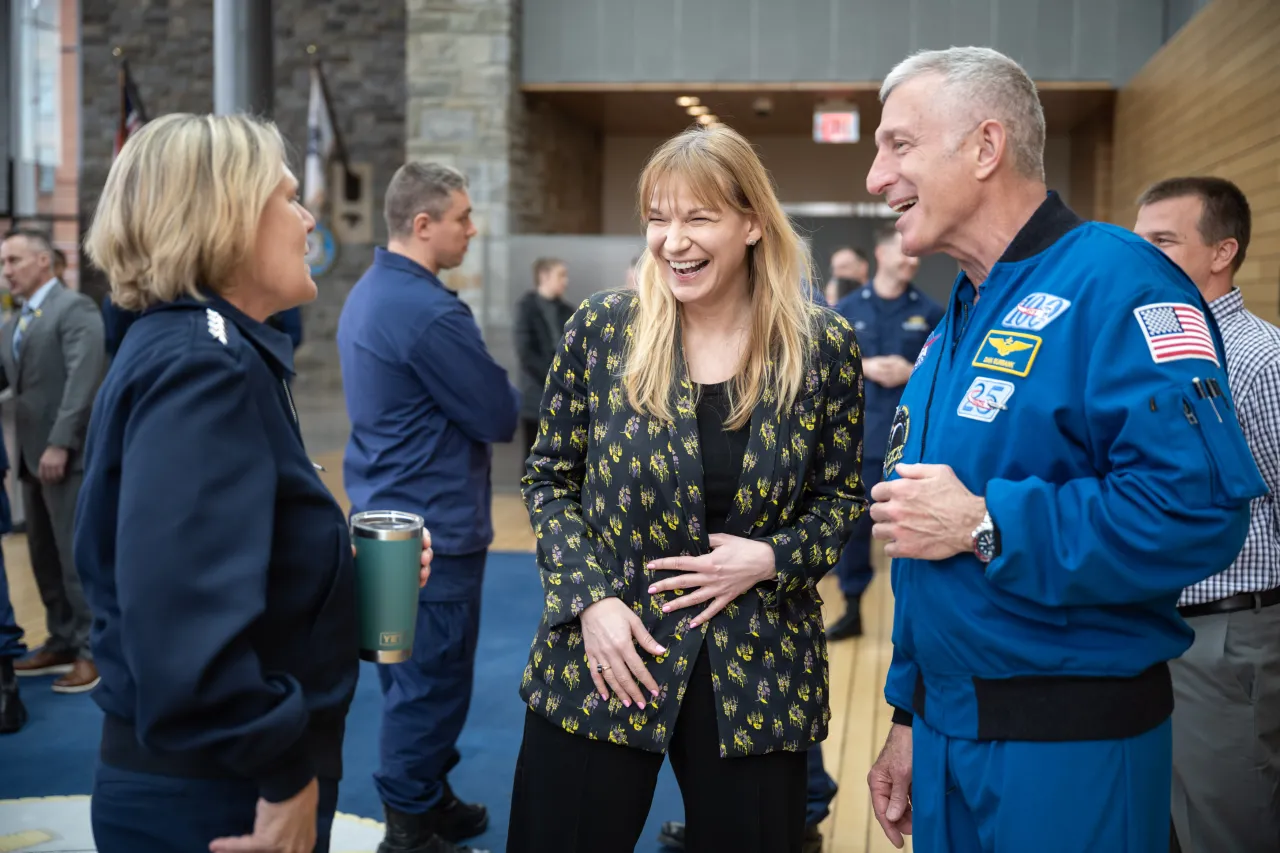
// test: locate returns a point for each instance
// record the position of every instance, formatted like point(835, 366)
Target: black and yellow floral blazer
point(609, 490)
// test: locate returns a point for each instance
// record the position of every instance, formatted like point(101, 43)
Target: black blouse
point(722, 452)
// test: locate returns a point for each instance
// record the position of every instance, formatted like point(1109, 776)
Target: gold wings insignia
point(1004, 346)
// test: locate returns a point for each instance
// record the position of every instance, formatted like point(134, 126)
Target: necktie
point(23, 321)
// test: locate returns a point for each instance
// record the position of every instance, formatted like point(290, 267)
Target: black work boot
point(850, 624)
point(415, 833)
point(13, 714)
point(455, 820)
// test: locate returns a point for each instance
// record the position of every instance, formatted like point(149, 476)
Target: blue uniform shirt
point(887, 327)
point(1067, 396)
point(217, 563)
point(426, 401)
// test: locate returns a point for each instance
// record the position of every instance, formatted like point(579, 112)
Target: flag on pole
point(321, 143)
point(133, 114)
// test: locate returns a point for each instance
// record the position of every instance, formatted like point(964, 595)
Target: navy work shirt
point(887, 327)
point(217, 564)
point(426, 401)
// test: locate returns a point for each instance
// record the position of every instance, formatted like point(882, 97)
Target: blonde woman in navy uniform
point(694, 477)
point(218, 566)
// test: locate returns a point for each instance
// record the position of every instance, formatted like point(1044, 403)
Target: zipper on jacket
point(297, 425)
point(951, 355)
point(289, 397)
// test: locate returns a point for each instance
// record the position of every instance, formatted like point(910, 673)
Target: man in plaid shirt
point(1226, 719)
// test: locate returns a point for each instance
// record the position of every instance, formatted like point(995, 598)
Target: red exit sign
point(839, 126)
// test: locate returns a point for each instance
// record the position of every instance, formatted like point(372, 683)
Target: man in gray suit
point(52, 355)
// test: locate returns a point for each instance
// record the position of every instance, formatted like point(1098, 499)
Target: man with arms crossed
point(1064, 461)
point(426, 401)
point(1226, 717)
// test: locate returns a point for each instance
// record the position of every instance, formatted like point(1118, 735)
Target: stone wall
point(462, 93)
point(169, 44)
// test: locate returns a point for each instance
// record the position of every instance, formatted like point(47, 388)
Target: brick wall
point(1209, 103)
point(169, 44)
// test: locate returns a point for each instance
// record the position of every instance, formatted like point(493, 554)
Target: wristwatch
point(986, 540)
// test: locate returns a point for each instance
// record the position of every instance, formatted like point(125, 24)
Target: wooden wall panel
point(1209, 103)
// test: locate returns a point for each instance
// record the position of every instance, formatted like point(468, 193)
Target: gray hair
point(985, 83)
point(38, 240)
point(419, 188)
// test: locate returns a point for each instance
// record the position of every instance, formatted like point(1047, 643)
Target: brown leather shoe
point(82, 678)
point(44, 662)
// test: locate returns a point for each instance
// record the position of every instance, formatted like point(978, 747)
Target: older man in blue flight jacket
point(1064, 460)
point(426, 401)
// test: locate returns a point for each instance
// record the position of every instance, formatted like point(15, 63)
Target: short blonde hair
point(181, 205)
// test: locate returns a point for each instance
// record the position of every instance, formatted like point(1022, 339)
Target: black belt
point(1230, 604)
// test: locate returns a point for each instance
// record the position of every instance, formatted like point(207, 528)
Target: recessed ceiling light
point(697, 111)
point(706, 120)
point(687, 101)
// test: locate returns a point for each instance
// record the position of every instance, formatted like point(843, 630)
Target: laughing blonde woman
point(695, 474)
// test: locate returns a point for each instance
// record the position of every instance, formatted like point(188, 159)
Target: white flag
point(319, 145)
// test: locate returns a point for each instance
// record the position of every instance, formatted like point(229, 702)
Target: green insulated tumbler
point(388, 564)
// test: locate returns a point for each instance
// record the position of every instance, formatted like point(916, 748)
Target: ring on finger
point(601, 667)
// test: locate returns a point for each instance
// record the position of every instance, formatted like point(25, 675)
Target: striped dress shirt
point(1253, 369)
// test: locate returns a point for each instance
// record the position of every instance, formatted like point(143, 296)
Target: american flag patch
point(1174, 331)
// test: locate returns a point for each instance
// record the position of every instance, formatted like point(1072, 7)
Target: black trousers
point(574, 795)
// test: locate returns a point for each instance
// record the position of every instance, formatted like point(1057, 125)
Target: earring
point(751, 242)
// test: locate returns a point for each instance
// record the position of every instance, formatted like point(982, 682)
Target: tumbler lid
point(386, 524)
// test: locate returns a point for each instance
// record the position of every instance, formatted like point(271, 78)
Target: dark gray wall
point(675, 41)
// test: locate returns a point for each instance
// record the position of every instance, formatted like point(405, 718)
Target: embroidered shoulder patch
point(217, 326)
point(1035, 311)
point(1174, 331)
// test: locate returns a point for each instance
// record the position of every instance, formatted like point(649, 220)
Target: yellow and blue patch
point(1008, 352)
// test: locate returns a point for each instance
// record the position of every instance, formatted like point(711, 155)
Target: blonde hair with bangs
point(724, 172)
point(181, 205)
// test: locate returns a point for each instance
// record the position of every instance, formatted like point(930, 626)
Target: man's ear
point(992, 147)
point(422, 226)
point(1224, 255)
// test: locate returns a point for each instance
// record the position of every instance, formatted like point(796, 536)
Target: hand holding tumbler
point(388, 565)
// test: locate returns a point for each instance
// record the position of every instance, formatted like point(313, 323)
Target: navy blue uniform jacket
point(1067, 396)
point(426, 401)
point(217, 564)
point(884, 327)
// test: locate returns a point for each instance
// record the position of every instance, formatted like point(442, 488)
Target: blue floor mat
point(55, 753)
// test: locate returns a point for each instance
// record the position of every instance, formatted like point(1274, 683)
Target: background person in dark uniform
point(218, 565)
point(892, 319)
point(426, 402)
point(849, 269)
point(540, 317)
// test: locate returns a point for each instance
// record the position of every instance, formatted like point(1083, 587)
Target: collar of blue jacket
point(392, 260)
point(276, 346)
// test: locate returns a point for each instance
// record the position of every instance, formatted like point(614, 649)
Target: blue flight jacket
point(1068, 397)
point(426, 401)
point(887, 327)
point(217, 564)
